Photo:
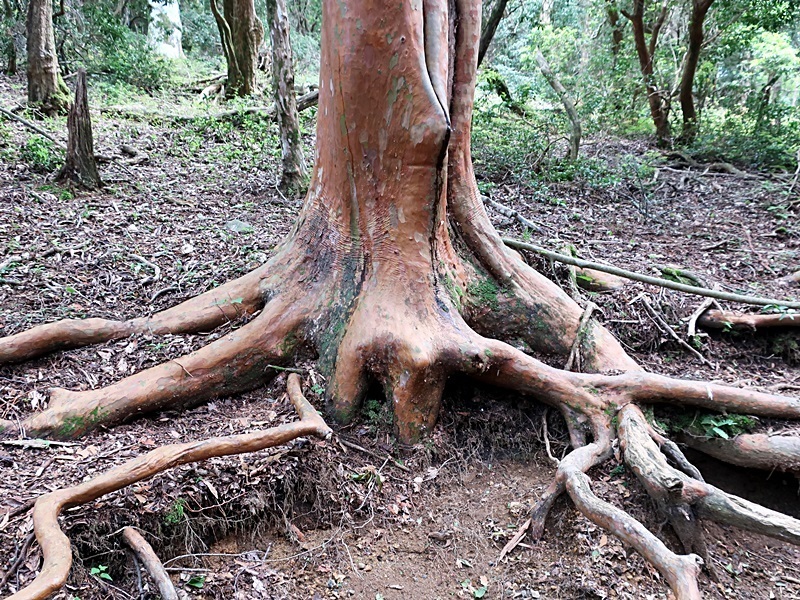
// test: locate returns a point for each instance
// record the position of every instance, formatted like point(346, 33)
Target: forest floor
point(321, 519)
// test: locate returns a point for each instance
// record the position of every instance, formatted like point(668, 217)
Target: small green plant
point(176, 513)
point(101, 571)
point(197, 581)
point(40, 154)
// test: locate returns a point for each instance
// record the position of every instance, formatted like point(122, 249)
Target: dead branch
point(726, 320)
point(672, 285)
point(665, 328)
point(56, 548)
point(145, 553)
point(33, 127)
point(512, 214)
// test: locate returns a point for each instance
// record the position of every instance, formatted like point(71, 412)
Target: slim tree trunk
point(46, 88)
point(546, 15)
point(659, 106)
point(699, 12)
point(612, 13)
point(241, 34)
point(569, 105)
point(294, 168)
point(490, 28)
point(80, 165)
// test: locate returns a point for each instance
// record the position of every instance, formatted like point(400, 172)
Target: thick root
point(201, 313)
point(55, 544)
point(234, 363)
point(751, 450)
point(727, 320)
point(667, 484)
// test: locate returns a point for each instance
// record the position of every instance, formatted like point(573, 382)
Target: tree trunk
point(696, 36)
point(293, 173)
point(241, 34)
point(165, 31)
point(612, 13)
point(569, 106)
point(394, 276)
point(546, 14)
point(46, 88)
point(659, 105)
point(490, 28)
point(80, 165)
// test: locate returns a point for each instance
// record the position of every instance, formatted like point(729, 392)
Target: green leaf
point(197, 581)
point(721, 433)
point(480, 592)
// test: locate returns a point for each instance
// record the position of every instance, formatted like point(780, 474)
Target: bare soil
point(325, 520)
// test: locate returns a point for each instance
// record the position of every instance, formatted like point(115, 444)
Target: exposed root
point(201, 313)
point(679, 571)
point(145, 553)
point(579, 460)
point(670, 485)
point(236, 362)
point(56, 546)
point(727, 320)
point(751, 450)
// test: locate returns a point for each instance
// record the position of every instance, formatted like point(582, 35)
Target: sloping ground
point(323, 519)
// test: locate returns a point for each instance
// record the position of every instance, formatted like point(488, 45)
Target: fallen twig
point(33, 127)
point(514, 541)
point(18, 560)
point(664, 326)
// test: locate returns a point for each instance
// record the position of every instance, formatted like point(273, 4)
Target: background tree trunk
point(490, 28)
point(46, 88)
point(294, 165)
point(699, 12)
point(659, 106)
point(80, 165)
point(165, 31)
point(569, 105)
point(612, 13)
point(241, 34)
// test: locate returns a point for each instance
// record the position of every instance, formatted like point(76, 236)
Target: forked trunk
point(241, 34)
point(294, 165)
point(657, 101)
point(46, 88)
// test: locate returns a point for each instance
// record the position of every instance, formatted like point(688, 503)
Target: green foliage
point(197, 581)
point(708, 425)
point(118, 53)
point(101, 571)
point(176, 513)
point(378, 414)
point(40, 154)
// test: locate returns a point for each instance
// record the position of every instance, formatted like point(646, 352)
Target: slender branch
point(665, 283)
point(32, 126)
